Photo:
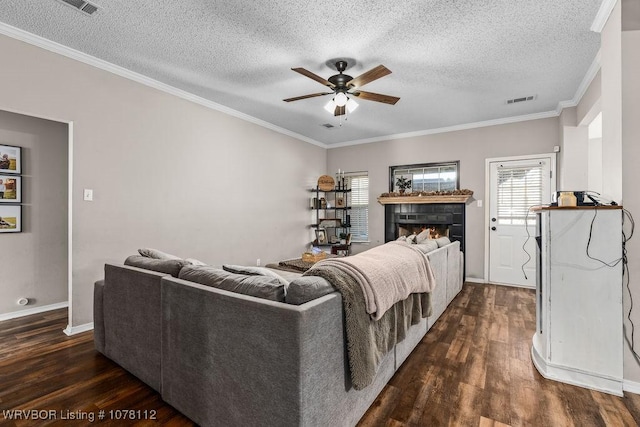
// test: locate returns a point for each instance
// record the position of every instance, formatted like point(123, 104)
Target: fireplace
point(444, 219)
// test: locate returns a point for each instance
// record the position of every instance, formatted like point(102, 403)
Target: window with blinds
point(519, 188)
point(359, 184)
point(427, 176)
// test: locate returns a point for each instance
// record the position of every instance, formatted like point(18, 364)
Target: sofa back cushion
point(427, 246)
point(167, 266)
point(254, 271)
point(257, 286)
point(155, 253)
point(307, 288)
point(443, 241)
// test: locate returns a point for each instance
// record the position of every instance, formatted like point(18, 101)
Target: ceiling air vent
point(522, 99)
point(327, 125)
point(81, 5)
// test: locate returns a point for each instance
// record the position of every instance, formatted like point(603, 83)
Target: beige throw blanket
point(368, 340)
point(387, 274)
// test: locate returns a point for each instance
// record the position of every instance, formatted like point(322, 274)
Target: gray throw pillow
point(428, 246)
point(257, 286)
point(307, 288)
point(442, 241)
point(168, 266)
point(156, 254)
point(422, 236)
point(254, 271)
point(194, 261)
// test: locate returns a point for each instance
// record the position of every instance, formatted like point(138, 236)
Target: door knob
point(493, 228)
point(493, 220)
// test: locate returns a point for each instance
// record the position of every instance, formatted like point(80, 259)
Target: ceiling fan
point(343, 86)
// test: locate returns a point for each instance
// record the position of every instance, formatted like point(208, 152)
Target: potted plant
point(343, 238)
point(403, 183)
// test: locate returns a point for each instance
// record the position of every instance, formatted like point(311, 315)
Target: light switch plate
point(88, 195)
point(479, 203)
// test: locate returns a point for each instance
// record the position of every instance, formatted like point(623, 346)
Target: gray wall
point(471, 147)
point(33, 263)
point(166, 173)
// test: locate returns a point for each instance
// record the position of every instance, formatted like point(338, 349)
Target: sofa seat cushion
point(307, 288)
point(257, 286)
point(254, 271)
point(167, 266)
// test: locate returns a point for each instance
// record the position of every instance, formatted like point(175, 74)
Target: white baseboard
point(577, 377)
point(72, 330)
point(34, 310)
point(475, 280)
point(631, 386)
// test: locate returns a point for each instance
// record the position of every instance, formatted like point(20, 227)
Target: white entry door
point(516, 186)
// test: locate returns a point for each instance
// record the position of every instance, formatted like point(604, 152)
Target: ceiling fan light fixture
point(351, 105)
point(330, 106)
point(341, 99)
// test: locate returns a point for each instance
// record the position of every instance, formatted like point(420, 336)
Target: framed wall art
point(321, 236)
point(10, 189)
point(10, 219)
point(10, 159)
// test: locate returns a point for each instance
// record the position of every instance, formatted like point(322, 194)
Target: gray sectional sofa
point(226, 358)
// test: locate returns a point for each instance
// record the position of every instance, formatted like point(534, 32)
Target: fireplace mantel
point(399, 200)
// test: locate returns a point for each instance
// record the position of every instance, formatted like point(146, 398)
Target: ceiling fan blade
point(311, 95)
point(369, 76)
point(315, 77)
point(378, 97)
point(339, 111)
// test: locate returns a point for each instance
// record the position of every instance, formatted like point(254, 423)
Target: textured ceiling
point(453, 62)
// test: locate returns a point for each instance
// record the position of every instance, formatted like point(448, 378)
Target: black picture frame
point(10, 189)
point(10, 219)
point(10, 159)
point(321, 236)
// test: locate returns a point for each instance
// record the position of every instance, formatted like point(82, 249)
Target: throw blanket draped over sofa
point(392, 281)
point(387, 274)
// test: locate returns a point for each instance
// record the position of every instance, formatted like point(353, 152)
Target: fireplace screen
point(435, 230)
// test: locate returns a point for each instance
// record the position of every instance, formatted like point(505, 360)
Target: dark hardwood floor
point(472, 369)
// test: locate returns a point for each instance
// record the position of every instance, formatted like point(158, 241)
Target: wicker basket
point(309, 257)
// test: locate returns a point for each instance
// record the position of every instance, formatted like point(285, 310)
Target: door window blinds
point(519, 188)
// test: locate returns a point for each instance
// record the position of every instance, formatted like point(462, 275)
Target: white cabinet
point(579, 337)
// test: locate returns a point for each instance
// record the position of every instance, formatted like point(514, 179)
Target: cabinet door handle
point(493, 228)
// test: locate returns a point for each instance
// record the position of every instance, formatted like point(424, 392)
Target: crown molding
point(591, 73)
point(68, 52)
point(466, 126)
point(603, 15)
point(55, 47)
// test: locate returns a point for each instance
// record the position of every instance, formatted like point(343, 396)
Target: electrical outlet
point(88, 194)
point(258, 262)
